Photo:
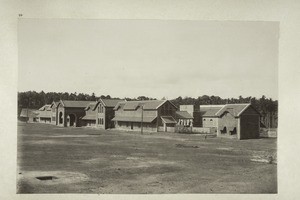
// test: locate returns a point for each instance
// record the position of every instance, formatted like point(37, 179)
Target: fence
point(183, 129)
point(268, 132)
point(202, 130)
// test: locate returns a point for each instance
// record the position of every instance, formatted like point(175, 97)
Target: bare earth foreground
point(86, 160)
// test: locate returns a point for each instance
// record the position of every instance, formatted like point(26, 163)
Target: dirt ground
point(87, 160)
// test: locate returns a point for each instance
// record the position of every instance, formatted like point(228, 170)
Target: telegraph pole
point(27, 110)
point(142, 119)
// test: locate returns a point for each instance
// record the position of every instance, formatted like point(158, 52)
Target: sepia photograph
point(126, 106)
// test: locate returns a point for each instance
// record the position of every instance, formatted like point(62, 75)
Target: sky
point(154, 58)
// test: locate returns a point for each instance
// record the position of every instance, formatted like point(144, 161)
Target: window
point(204, 119)
point(100, 109)
point(100, 121)
point(210, 120)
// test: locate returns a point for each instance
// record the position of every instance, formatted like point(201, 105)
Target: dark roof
point(147, 105)
point(29, 113)
point(134, 119)
point(183, 115)
point(168, 119)
point(75, 104)
point(234, 109)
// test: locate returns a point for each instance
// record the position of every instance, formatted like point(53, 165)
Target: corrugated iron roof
point(183, 115)
point(111, 102)
point(168, 119)
point(75, 104)
point(210, 110)
point(119, 105)
point(234, 109)
point(90, 106)
point(133, 105)
point(29, 113)
point(147, 105)
point(134, 119)
point(217, 110)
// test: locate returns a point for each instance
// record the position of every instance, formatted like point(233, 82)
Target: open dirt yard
point(86, 160)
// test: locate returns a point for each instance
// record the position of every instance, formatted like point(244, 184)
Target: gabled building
point(69, 113)
point(152, 115)
point(105, 112)
point(45, 114)
point(54, 113)
point(241, 121)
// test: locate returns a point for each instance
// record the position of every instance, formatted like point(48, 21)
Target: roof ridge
point(216, 114)
point(144, 100)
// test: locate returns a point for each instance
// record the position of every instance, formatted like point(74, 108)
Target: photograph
point(147, 106)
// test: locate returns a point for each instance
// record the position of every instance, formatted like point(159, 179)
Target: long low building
point(152, 115)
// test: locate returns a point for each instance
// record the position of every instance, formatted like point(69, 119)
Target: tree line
point(266, 106)
point(35, 100)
